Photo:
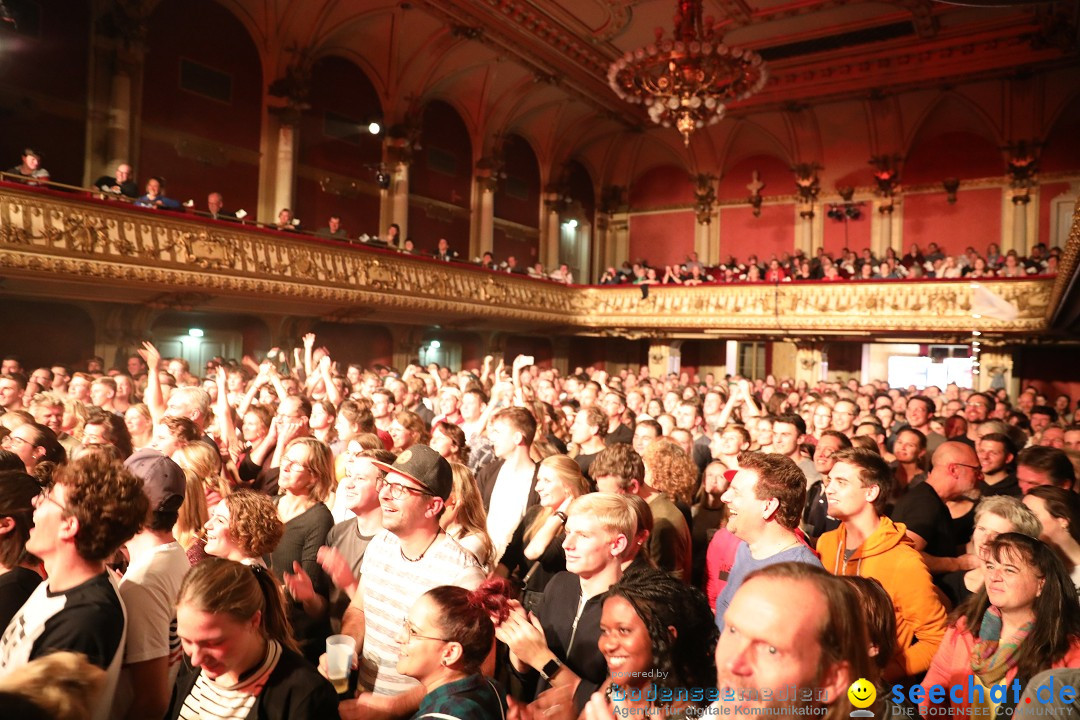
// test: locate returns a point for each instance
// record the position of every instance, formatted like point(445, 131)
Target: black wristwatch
point(548, 671)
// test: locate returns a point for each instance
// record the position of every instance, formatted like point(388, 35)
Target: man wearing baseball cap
point(150, 589)
point(409, 557)
point(30, 168)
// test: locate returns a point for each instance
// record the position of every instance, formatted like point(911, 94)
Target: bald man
point(924, 512)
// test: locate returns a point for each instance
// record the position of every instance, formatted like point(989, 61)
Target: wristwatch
point(561, 515)
point(548, 671)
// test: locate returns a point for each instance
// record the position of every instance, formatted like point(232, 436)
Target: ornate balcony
point(62, 246)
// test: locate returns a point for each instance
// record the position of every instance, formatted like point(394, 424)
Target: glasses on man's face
point(976, 468)
point(408, 632)
point(397, 490)
point(46, 495)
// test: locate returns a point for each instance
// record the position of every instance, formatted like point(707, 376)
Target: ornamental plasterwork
point(55, 237)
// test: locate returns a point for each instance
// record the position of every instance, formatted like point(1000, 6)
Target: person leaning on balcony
point(122, 183)
point(30, 168)
point(155, 196)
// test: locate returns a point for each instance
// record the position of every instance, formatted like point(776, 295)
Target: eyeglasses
point(47, 495)
point(397, 490)
point(293, 466)
point(976, 468)
point(408, 633)
point(9, 440)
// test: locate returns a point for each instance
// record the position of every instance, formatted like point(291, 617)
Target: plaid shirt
point(472, 698)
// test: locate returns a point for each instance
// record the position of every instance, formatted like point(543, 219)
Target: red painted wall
point(774, 172)
point(952, 154)
point(1054, 371)
point(661, 186)
point(426, 231)
point(51, 64)
point(538, 347)
point(742, 234)
point(1062, 152)
point(517, 198)
point(204, 32)
point(67, 337)
point(598, 352)
point(352, 158)
point(662, 238)
point(364, 344)
point(974, 220)
point(854, 234)
point(525, 250)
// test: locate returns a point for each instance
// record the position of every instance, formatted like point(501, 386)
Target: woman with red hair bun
point(445, 639)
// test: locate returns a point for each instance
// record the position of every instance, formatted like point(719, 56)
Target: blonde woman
point(205, 488)
point(307, 475)
point(465, 519)
point(537, 541)
point(407, 429)
point(140, 425)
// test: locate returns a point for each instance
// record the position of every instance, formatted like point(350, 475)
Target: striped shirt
point(391, 585)
point(212, 700)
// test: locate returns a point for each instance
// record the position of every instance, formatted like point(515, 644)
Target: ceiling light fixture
point(688, 80)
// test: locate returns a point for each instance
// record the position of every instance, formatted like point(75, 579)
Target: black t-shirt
point(585, 463)
point(16, 586)
point(87, 618)
point(303, 537)
point(925, 514)
point(1009, 485)
point(621, 434)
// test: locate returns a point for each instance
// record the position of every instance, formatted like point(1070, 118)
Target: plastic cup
point(339, 658)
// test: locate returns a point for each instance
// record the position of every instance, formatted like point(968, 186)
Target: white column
point(487, 218)
point(399, 201)
point(285, 168)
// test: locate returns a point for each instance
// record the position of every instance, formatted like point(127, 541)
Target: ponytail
point(220, 586)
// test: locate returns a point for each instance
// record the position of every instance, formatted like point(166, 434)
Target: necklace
point(421, 555)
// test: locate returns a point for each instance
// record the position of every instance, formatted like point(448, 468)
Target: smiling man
point(791, 625)
point(870, 545)
point(765, 502)
point(94, 506)
point(411, 556)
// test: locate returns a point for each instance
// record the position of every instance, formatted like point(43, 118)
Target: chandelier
point(688, 80)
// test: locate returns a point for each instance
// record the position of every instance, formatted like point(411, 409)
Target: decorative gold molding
point(52, 243)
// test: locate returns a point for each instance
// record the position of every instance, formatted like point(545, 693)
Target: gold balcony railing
point(66, 246)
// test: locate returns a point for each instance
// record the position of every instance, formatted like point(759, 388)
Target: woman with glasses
point(241, 659)
point(445, 639)
point(244, 527)
point(34, 444)
point(307, 474)
point(1025, 619)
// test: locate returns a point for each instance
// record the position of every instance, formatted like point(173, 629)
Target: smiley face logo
point(862, 693)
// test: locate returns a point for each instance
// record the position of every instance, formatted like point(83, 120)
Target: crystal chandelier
point(688, 80)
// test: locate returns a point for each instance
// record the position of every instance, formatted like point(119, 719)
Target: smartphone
point(528, 360)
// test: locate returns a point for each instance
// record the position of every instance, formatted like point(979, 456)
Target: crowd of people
point(512, 539)
point(786, 267)
point(847, 265)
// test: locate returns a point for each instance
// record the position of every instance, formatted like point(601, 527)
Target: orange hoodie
point(889, 557)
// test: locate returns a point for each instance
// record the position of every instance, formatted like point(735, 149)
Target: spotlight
point(195, 332)
point(853, 212)
point(374, 127)
point(435, 344)
point(571, 224)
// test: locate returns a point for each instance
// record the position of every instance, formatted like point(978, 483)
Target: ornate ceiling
point(538, 67)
